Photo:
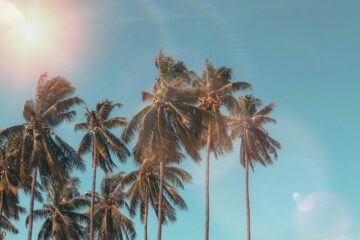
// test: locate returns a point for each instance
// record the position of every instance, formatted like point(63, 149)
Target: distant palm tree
point(109, 222)
point(41, 149)
point(63, 221)
point(256, 144)
point(216, 90)
point(144, 190)
point(101, 142)
point(169, 123)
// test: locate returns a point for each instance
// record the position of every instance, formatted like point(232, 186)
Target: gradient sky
point(301, 54)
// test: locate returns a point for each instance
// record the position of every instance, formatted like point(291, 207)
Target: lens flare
point(323, 215)
point(30, 31)
point(38, 36)
point(296, 197)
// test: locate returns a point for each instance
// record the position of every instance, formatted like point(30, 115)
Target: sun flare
point(35, 37)
point(30, 31)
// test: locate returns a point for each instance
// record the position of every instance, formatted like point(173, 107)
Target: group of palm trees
point(185, 112)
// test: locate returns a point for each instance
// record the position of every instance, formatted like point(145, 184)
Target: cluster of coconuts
point(209, 102)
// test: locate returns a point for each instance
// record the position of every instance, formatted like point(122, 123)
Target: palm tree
point(62, 219)
point(101, 141)
point(41, 149)
point(109, 222)
point(170, 123)
point(9, 178)
point(9, 198)
point(247, 123)
point(9, 185)
point(216, 89)
point(144, 189)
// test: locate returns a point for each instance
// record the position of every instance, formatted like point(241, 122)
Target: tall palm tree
point(41, 149)
point(169, 123)
point(144, 190)
point(62, 219)
point(101, 142)
point(247, 123)
point(110, 223)
point(216, 90)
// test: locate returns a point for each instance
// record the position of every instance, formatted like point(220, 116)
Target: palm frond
point(114, 122)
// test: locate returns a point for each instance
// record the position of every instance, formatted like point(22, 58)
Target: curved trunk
point(247, 197)
point(93, 193)
point(32, 195)
point(160, 200)
point(146, 217)
point(207, 171)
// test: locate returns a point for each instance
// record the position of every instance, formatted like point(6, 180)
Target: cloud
point(10, 14)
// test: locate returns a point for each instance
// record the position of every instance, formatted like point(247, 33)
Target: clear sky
point(301, 54)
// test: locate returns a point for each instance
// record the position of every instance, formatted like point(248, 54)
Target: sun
point(30, 31)
point(44, 35)
point(36, 35)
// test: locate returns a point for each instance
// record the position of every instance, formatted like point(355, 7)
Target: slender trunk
point(247, 197)
point(146, 217)
point(1, 202)
point(207, 197)
point(93, 193)
point(32, 195)
point(160, 200)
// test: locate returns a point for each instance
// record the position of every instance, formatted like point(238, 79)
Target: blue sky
point(300, 54)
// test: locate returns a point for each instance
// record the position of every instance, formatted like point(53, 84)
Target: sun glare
point(30, 31)
point(38, 36)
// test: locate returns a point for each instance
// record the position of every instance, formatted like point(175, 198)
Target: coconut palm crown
point(110, 223)
point(63, 219)
point(144, 190)
point(98, 135)
point(248, 124)
point(170, 119)
point(9, 185)
point(216, 89)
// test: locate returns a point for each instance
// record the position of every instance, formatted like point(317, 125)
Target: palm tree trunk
point(1, 202)
point(207, 173)
point(247, 197)
point(93, 193)
point(146, 217)
point(32, 195)
point(160, 200)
